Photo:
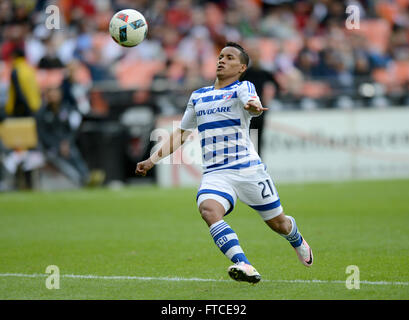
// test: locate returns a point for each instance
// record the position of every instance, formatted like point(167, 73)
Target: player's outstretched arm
point(255, 107)
point(176, 139)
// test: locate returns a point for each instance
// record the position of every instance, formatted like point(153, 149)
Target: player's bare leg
point(211, 211)
point(280, 224)
point(286, 226)
point(226, 239)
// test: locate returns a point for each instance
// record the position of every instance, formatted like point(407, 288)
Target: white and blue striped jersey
point(223, 125)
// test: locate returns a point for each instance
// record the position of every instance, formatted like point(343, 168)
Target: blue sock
point(227, 241)
point(294, 237)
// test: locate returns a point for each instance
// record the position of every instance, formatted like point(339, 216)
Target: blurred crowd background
point(302, 58)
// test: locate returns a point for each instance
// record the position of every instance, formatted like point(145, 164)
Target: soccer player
point(232, 168)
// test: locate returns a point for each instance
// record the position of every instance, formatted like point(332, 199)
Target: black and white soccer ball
point(128, 27)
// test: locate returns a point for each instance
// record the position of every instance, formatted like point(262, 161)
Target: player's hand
point(143, 167)
point(254, 107)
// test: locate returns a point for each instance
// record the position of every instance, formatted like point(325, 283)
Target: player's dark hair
point(244, 57)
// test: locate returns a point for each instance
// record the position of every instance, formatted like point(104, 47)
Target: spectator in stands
point(50, 60)
point(306, 62)
point(325, 69)
point(74, 93)
point(343, 79)
point(196, 46)
point(362, 70)
point(173, 24)
point(24, 96)
point(6, 13)
point(24, 100)
point(57, 124)
point(99, 69)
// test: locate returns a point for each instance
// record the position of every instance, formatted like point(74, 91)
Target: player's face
point(228, 63)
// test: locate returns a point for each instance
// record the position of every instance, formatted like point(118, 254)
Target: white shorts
point(253, 186)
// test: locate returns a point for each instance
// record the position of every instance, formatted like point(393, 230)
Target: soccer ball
point(128, 27)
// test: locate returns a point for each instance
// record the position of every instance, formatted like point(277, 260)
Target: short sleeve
point(189, 117)
point(247, 92)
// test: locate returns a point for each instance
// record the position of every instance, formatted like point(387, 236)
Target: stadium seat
point(381, 75)
point(376, 31)
point(131, 74)
point(315, 89)
point(401, 71)
point(396, 74)
point(403, 4)
point(387, 10)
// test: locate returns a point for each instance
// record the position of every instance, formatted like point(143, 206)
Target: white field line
point(79, 276)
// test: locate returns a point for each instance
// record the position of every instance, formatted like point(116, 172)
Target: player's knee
point(209, 213)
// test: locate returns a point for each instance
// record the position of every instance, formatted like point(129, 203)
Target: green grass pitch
point(156, 243)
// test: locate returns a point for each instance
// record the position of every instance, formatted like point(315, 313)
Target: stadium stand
point(303, 43)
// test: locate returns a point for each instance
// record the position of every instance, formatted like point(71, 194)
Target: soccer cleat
point(304, 253)
point(244, 272)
